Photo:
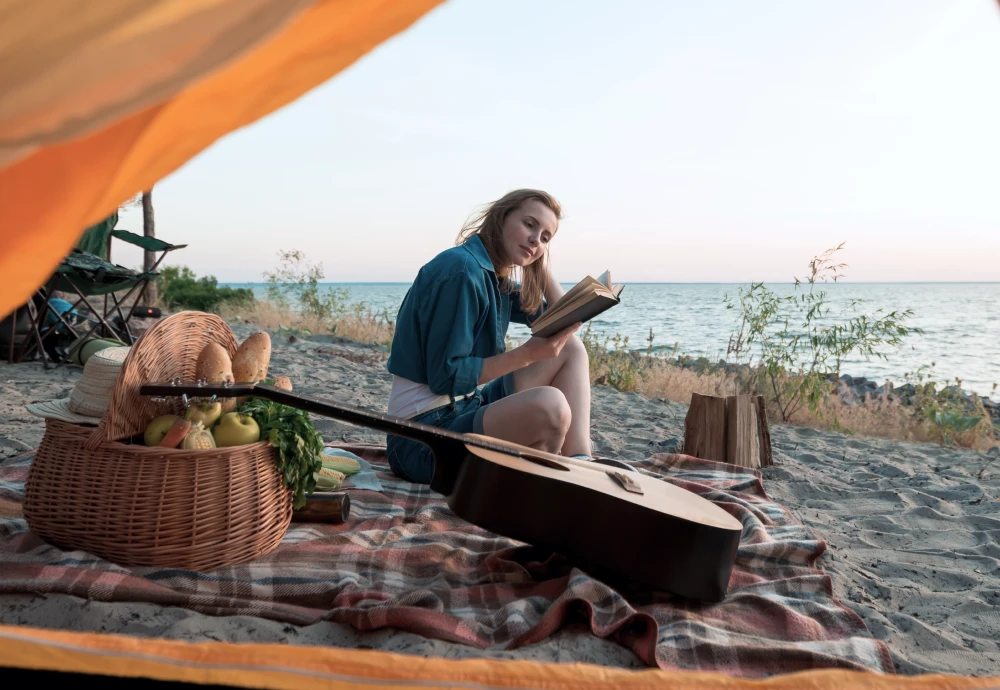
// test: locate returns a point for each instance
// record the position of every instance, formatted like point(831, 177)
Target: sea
point(960, 323)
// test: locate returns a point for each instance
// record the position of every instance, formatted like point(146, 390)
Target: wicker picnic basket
point(102, 491)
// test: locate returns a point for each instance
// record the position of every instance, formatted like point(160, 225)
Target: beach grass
point(360, 324)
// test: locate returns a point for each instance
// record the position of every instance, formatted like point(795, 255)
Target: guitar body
point(666, 538)
point(621, 523)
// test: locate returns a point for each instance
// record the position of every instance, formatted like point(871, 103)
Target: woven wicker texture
point(134, 505)
point(168, 349)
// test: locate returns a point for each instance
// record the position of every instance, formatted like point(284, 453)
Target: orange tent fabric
point(100, 100)
point(291, 667)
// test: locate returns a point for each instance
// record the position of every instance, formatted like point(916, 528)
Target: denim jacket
point(452, 318)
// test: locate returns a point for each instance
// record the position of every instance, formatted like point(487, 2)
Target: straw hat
point(92, 393)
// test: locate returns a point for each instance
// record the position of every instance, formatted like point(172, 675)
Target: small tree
point(793, 366)
point(296, 279)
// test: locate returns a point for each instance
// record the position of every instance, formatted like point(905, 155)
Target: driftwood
point(732, 430)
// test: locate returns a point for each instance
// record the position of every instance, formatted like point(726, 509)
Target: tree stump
point(732, 430)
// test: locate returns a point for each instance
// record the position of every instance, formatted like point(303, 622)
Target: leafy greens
point(299, 445)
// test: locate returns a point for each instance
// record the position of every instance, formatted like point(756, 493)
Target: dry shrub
point(358, 325)
point(666, 380)
point(880, 417)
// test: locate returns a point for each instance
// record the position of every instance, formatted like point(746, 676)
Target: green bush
point(949, 413)
point(180, 288)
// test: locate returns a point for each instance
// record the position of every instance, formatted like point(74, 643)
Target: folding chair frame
point(38, 318)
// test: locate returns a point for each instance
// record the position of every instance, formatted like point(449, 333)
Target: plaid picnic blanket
point(405, 561)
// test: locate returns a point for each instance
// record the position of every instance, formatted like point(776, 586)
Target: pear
point(205, 412)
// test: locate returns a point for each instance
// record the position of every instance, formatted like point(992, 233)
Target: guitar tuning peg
point(184, 397)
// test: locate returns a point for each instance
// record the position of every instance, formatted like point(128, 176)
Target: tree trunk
point(732, 430)
point(149, 297)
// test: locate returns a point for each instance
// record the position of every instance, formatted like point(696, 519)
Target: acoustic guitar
point(604, 518)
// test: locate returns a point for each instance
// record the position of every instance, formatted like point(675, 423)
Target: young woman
point(449, 361)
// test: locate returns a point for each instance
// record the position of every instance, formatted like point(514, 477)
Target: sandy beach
point(913, 530)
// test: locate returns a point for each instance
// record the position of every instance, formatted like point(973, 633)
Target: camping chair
point(88, 273)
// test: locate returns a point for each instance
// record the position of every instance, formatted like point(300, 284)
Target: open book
point(584, 301)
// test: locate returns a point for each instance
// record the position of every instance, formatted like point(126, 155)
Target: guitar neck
point(429, 435)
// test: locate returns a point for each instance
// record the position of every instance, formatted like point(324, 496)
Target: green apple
point(158, 428)
point(235, 429)
point(204, 412)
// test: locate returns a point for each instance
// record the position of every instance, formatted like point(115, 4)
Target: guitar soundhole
point(545, 462)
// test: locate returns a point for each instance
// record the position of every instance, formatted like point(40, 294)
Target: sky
point(717, 141)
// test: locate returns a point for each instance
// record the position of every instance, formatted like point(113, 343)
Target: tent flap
point(111, 97)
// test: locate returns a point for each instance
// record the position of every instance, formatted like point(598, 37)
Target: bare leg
point(538, 418)
point(569, 373)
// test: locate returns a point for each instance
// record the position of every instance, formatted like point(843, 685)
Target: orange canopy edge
point(99, 101)
point(290, 667)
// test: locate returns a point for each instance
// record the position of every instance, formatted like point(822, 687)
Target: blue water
point(961, 322)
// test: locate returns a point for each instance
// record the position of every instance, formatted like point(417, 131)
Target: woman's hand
point(535, 350)
point(538, 349)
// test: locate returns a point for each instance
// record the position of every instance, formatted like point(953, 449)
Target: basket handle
point(169, 349)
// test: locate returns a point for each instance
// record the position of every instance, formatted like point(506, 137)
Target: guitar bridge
point(626, 481)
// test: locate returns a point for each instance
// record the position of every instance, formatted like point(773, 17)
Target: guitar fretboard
point(347, 413)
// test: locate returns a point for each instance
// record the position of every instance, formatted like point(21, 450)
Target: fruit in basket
point(215, 366)
point(235, 429)
point(198, 438)
point(176, 433)
point(205, 412)
point(283, 382)
point(158, 428)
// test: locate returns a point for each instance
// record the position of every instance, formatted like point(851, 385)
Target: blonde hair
point(488, 224)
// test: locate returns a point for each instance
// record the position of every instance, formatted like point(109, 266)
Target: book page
point(571, 295)
point(580, 294)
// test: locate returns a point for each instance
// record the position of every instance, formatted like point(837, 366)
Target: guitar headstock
point(198, 388)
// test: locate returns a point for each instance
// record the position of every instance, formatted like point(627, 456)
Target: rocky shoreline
point(854, 390)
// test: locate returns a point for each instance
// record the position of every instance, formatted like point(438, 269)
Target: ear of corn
point(346, 466)
point(328, 478)
point(198, 438)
